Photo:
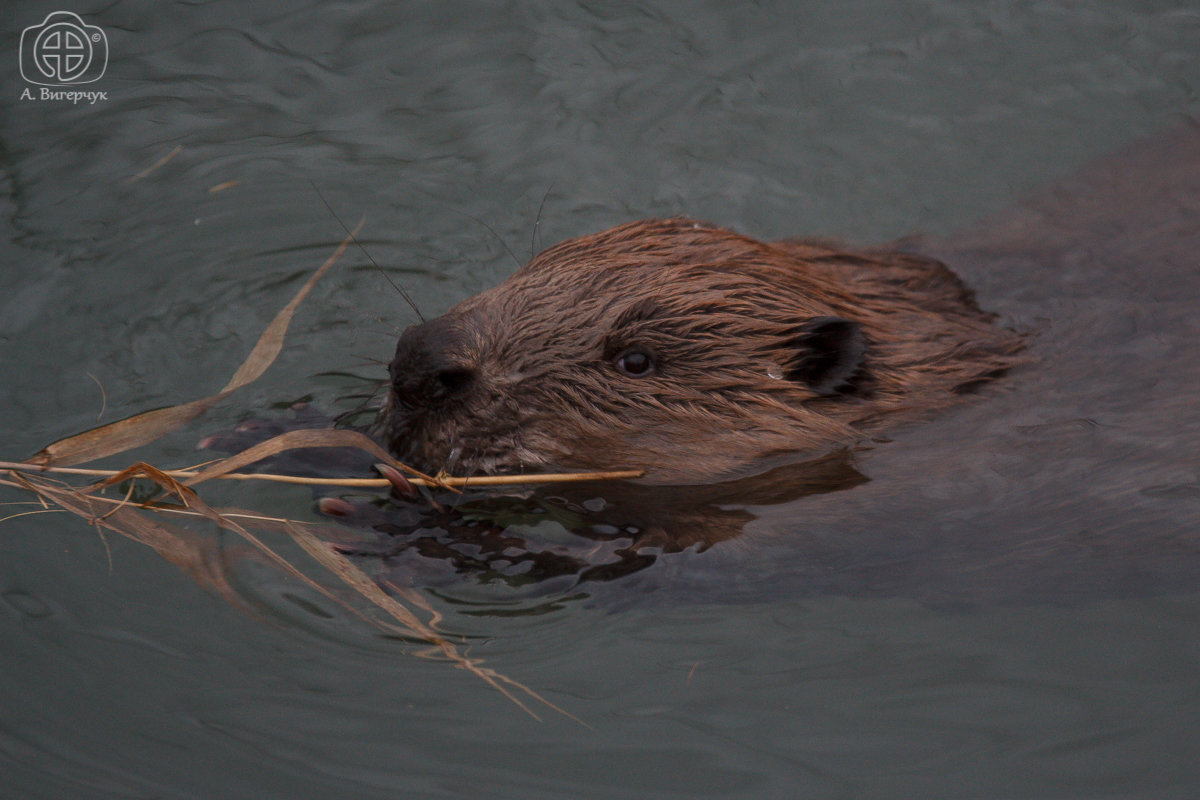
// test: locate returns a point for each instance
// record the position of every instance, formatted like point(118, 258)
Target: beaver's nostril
point(455, 380)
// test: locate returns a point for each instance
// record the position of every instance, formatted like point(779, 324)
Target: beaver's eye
point(635, 363)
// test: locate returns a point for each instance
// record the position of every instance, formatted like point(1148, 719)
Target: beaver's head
point(682, 349)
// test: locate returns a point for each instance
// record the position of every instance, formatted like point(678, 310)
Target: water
point(958, 625)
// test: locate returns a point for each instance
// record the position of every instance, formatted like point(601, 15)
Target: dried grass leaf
point(291, 440)
point(354, 577)
point(126, 434)
point(197, 558)
point(122, 435)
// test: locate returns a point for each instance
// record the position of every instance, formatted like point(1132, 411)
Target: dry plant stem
point(351, 483)
point(22, 482)
point(308, 437)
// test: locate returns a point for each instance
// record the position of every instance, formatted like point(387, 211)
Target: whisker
point(374, 263)
point(477, 221)
point(535, 240)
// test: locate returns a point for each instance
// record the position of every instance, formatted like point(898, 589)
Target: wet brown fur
point(523, 378)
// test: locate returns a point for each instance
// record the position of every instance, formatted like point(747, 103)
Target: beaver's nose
point(434, 363)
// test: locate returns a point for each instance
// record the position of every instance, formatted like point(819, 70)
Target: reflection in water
point(585, 532)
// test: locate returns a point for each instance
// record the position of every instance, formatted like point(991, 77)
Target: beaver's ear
point(828, 354)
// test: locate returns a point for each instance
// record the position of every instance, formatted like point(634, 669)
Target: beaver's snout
point(447, 406)
point(434, 364)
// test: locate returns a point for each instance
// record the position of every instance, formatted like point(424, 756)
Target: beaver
point(688, 351)
point(698, 353)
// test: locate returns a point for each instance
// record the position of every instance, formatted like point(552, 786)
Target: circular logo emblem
point(62, 51)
